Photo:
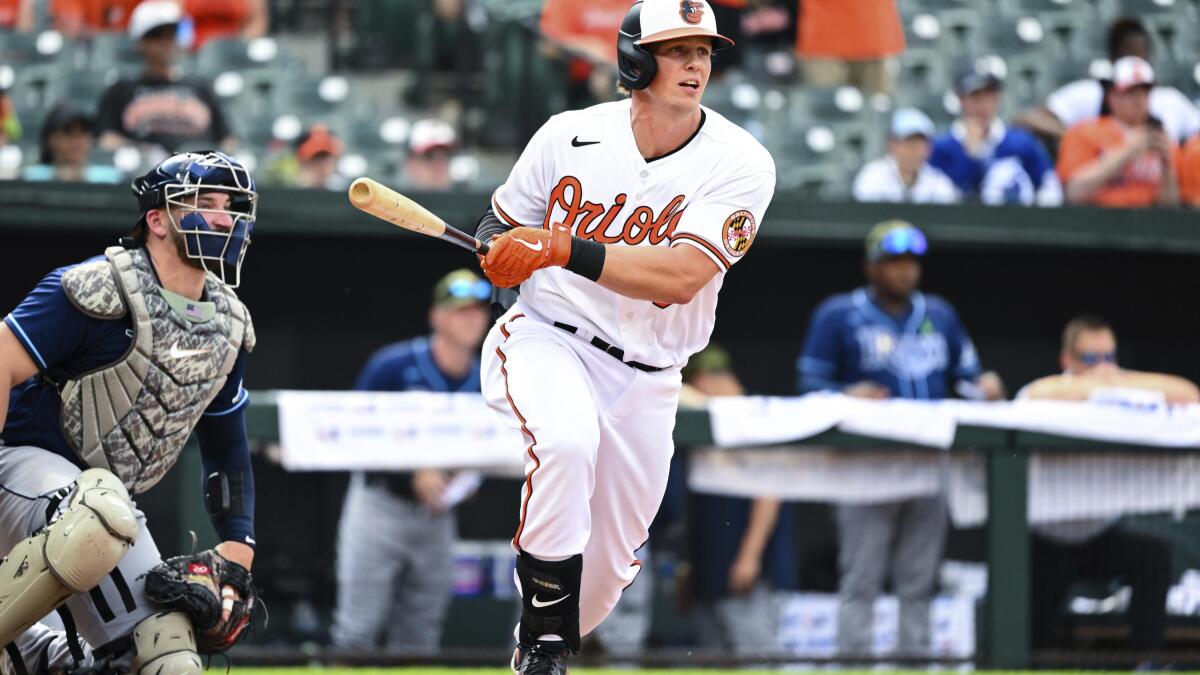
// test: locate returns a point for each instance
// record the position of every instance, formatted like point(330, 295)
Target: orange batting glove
point(515, 255)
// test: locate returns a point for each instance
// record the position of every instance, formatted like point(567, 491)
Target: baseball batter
point(619, 223)
point(107, 367)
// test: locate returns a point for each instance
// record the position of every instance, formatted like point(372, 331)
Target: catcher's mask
point(178, 183)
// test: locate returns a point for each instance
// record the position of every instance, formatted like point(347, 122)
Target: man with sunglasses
point(106, 369)
point(394, 551)
point(1100, 548)
point(881, 341)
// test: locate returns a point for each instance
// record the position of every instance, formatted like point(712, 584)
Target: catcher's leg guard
point(165, 644)
point(70, 555)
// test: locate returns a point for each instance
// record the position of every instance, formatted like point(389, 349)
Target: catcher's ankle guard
point(549, 599)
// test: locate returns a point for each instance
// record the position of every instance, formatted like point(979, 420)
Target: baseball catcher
point(107, 367)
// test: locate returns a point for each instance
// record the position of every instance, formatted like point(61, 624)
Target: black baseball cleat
point(538, 660)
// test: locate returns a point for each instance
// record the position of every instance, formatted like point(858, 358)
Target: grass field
point(589, 671)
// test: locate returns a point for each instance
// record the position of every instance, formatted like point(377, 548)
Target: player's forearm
point(1092, 177)
point(658, 274)
point(764, 513)
point(1175, 389)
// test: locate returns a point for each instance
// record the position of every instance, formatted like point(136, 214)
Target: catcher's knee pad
point(70, 555)
point(549, 598)
point(165, 644)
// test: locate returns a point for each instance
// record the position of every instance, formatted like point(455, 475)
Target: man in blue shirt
point(987, 159)
point(881, 341)
point(395, 542)
point(106, 368)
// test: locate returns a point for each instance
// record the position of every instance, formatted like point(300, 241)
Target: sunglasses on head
point(476, 290)
point(1096, 358)
point(903, 240)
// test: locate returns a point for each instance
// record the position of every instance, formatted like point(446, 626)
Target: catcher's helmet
point(178, 182)
point(650, 21)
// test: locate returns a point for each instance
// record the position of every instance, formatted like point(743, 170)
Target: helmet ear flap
point(636, 66)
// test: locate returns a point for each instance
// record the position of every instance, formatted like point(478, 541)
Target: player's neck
point(450, 359)
point(659, 130)
point(174, 274)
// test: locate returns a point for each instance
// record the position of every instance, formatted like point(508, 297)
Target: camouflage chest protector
point(134, 416)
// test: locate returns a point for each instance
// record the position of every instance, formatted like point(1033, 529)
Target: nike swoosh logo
point(176, 353)
point(528, 245)
point(539, 604)
point(576, 143)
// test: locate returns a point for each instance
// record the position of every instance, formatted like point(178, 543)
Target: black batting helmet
point(649, 21)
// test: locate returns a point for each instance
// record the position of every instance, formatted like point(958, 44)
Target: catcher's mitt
point(218, 594)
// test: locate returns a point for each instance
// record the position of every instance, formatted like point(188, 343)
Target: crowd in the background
point(1123, 139)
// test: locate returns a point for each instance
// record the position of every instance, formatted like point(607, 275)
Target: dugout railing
point(1003, 620)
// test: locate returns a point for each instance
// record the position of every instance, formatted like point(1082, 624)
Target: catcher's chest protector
point(134, 416)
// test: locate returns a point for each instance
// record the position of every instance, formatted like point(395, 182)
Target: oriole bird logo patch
point(692, 12)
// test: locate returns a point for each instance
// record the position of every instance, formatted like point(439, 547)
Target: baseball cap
point(908, 122)
point(461, 288)
point(315, 141)
point(895, 237)
point(1130, 72)
point(430, 134)
point(669, 19)
point(153, 14)
point(713, 358)
point(977, 78)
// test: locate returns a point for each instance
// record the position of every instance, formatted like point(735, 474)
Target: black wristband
point(587, 258)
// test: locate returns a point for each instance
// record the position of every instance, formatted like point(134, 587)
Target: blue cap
point(908, 122)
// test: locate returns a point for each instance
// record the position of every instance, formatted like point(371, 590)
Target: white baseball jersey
point(583, 169)
point(1082, 99)
point(879, 181)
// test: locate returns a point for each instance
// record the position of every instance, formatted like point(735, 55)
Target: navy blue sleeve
point(379, 373)
point(820, 361)
point(48, 325)
point(224, 448)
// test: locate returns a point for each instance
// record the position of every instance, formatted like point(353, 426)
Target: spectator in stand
point(905, 174)
point(1084, 99)
point(987, 159)
point(1102, 549)
point(1124, 158)
point(79, 18)
point(244, 19)
point(584, 31)
point(17, 15)
point(742, 553)
point(431, 144)
point(1189, 172)
point(317, 154)
point(66, 145)
point(10, 126)
point(851, 43)
point(160, 111)
point(888, 340)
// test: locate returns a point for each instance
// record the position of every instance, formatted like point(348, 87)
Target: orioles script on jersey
point(641, 225)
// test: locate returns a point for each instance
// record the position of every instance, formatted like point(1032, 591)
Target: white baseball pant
point(599, 445)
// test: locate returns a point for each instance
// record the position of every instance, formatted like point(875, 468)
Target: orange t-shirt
point(563, 20)
point(216, 18)
point(1140, 180)
point(9, 9)
point(1189, 172)
point(855, 30)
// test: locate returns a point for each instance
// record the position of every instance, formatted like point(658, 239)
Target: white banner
point(344, 431)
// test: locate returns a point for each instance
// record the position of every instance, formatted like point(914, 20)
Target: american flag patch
point(193, 311)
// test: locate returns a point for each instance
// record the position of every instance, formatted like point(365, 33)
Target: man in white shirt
point(904, 174)
point(1084, 99)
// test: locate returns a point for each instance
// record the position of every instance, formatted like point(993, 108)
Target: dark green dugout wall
point(327, 285)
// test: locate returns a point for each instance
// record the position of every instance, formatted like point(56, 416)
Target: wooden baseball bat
point(386, 204)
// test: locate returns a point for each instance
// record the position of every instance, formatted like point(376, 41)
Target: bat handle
point(482, 248)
